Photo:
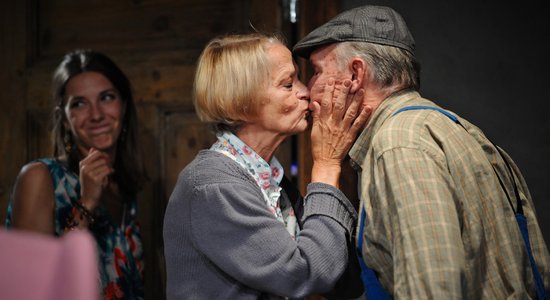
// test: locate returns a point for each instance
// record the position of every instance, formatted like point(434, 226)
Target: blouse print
point(268, 176)
point(119, 246)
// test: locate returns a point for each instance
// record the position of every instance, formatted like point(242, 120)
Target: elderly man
point(441, 205)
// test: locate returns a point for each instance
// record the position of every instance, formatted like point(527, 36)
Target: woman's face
point(285, 100)
point(94, 112)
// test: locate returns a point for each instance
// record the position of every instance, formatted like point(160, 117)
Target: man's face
point(325, 66)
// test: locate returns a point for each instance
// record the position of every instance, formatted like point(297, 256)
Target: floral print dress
point(119, 246)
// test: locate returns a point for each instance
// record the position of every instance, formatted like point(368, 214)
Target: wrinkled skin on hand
point(337, 121)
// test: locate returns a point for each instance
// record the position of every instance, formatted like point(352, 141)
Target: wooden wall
point(156, 43)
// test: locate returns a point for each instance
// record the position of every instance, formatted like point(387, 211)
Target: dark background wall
point(488, 62)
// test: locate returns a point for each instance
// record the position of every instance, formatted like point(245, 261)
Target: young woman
point(92, 179)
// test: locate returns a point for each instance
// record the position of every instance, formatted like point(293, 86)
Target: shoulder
point(214, 167)
point(426, 130)
point(212, 171)
point(212, 178)
point(33, 198)
point(34, 170)
point(45, 167)
point(50, 164)
point(211, 168)
point(41, 175)
point(34, 176)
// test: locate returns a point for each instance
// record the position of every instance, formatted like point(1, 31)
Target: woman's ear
point(358, 74)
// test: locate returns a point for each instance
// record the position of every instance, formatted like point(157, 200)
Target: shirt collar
point(268, 176)
point(387, 107)
point(265, 173)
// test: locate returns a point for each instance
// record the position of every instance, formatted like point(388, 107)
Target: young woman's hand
point(95, 169)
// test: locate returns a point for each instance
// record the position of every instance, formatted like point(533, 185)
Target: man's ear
point(358, 69)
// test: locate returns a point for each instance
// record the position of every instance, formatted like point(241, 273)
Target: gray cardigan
point(222, 242)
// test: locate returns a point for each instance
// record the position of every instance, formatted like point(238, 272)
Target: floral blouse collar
point(268, 176)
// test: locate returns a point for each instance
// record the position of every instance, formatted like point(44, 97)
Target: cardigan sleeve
point(233, 227)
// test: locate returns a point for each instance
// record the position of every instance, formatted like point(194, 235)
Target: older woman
point(230, 231)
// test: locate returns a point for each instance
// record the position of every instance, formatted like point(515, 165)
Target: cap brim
point(304, 50)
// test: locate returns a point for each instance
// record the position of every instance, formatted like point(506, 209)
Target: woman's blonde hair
point(230, 73)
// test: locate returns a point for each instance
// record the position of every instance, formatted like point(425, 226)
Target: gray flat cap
point(369, 23)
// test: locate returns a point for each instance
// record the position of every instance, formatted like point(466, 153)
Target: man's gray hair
point(391, 67)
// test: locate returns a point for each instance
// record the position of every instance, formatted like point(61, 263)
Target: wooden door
point(156, 43)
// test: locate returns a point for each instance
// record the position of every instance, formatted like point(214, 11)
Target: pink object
point(36, 266)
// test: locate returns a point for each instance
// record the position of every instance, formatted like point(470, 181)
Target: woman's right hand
point(337, 121)
point(95, 169)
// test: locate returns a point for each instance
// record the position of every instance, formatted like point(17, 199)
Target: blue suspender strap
point(413, 107)
point(520, 217)
point(522, 223)
point(373, 288)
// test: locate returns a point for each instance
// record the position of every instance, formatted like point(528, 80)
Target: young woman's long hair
point(129, 170)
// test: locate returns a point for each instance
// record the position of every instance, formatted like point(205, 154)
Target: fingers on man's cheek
point(317, 93)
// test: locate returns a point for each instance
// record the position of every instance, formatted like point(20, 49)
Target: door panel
point(156, 43)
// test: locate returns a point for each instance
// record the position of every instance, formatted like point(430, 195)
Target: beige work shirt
point(438, 224)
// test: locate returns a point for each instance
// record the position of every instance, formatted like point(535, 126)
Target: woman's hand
point(337, 121)
point(95, 169)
